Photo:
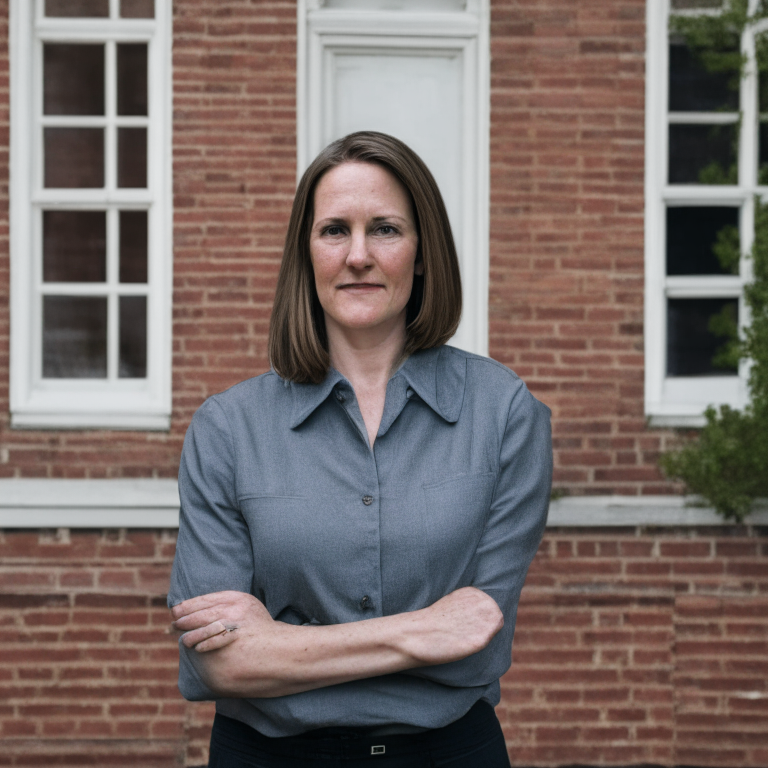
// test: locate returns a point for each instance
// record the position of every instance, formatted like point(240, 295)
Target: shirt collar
point(436, 375)
point(308, 397)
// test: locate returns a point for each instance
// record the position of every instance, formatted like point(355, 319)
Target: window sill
point(122, 421)
point(119, 503)
point(148, 503)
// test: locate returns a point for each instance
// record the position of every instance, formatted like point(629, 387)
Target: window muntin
point(90, 235)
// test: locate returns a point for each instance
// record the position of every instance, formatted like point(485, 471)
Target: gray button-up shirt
point(282, 497)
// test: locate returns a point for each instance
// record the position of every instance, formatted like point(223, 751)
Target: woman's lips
point(361, 287)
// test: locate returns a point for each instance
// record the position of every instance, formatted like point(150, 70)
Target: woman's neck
point(367, 362)
point(366, 359)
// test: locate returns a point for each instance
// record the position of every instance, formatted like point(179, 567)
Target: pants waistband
point(477, 725)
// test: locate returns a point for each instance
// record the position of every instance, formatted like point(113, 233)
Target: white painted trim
point(146, 503)
point(89, 503)
point(670, 401)
point(400, 23)
point(623, 511)
point(322, 32)
point(113, 403)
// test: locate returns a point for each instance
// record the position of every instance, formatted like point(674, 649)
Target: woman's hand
point(217, 619)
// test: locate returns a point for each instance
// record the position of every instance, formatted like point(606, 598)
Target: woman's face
point(363, 246)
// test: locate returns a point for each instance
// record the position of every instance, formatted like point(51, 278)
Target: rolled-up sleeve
point(511, 537)
point(212, 551)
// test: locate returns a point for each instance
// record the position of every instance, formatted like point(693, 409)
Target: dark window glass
point(762, 92)
point(762, 172)
point(133, 337)
point(73, 79)
point(691, 345)
point(131, 157)
point(702, 154)
point(74, 157)
point(691, 235)
point(74, 246)
point(74, 337)
point(80, 8)
point(693, 89)
point(132, 79)
point(133, 246)
point(137, 9)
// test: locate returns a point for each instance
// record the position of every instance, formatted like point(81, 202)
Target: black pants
point(474, 741)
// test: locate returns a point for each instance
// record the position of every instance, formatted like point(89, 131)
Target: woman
point(356, 525)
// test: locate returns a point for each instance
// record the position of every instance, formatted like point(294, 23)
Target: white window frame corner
point(36, 403)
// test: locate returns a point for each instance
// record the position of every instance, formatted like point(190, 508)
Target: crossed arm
point(239, 651)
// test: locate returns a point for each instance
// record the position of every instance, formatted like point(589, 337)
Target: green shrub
point(727, 463)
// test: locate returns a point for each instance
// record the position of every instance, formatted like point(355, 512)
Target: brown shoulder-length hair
point(298, 345)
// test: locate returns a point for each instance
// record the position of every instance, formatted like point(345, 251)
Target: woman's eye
point(386, 229)
point(333, 231)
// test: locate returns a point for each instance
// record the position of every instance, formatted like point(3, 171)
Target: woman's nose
point(358, 255)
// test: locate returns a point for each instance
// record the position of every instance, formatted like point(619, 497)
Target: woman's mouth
point(361, 287)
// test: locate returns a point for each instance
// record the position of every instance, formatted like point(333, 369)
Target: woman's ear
point(418, 268)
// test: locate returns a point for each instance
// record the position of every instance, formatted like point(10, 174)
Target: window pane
point(73, 79)
point(98, 8)
point(691, 235)
point(762, 92)
point(702, 154)
point(133, 337)
point(691, 345)
point(693, 89)
point(133, 246)
point(762, 172)
point(132, 79)
point(137, 9)
point(74, 337)
point(74, 157)
point(131, 157)
point(74, 246)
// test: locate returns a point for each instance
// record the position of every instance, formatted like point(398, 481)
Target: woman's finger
point(217, 641)
point(202, 602)
point(201, 635)
point(202, 618)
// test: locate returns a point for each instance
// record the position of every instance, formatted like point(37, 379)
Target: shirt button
point(367, 500)
point(366, 603)
point(340, 397)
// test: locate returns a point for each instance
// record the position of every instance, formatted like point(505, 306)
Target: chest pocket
point(455, 512)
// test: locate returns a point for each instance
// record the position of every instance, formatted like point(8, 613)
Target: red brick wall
point(632, 646)
point(566, 298)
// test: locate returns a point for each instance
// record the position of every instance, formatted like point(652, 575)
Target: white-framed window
point(706, 142)
point(90, 214)
point(419, 70)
